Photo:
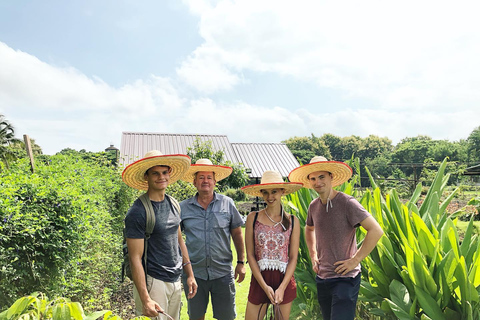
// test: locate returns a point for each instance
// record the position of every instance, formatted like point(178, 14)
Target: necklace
point(276, 223)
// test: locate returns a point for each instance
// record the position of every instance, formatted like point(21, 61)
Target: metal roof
point(135, 145)
point(259, 157)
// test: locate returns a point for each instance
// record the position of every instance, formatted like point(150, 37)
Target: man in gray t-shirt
point(330, 235)
point(158, 291)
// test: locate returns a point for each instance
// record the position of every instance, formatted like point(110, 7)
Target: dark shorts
point(338, 297)
point(222, 291)
point(273, 278)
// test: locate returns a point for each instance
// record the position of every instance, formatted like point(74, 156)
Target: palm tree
point(7, 137)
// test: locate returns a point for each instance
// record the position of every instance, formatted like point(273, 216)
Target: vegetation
point(420, 269)
point(60, 228)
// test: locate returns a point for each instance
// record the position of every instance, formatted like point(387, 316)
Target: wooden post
point(28, 146)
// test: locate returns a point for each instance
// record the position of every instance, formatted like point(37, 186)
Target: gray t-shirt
point(164, 259)
point(335, 232)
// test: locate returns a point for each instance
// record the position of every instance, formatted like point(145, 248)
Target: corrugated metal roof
point(260, 157)
point(135, 145)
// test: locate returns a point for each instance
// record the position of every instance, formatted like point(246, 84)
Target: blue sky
point(76, 74)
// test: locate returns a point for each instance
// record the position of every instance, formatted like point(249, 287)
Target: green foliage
point(60, 228)
point(37, 306)
point(204, 150)
point(7, 137)
point(305, 148)
point(474, 145)
point(181, 190)
point(236, 194)
point(419, 269)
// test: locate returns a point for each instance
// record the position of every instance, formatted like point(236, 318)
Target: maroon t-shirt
point(335, 232)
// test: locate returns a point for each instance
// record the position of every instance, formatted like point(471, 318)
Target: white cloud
point(406, 54)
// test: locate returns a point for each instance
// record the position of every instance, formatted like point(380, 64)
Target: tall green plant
point(420, 269)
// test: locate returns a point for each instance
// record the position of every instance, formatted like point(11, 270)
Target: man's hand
point(192, 287)
point(240, 272)
point(345, 266)
point(151, 308)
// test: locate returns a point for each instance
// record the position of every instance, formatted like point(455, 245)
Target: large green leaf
point(429, 305)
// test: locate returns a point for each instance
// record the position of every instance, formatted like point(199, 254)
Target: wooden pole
point(28, 146)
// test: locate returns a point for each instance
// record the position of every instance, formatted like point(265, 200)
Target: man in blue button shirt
point(209, 220)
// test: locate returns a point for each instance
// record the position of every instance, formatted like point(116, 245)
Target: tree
point(474, 145)
point(333, 143)
point(305, 148)
point(7, 137)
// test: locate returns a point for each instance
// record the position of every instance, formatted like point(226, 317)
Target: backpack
point(150, 224)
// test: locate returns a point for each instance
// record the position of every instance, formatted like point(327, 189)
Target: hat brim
point(221, 172)
point(134, 174)
point(255, 189)
point(341, 172)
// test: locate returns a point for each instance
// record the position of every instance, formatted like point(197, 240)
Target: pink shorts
point(273, 278)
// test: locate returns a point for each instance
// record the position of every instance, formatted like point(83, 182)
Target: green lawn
point(240, 297)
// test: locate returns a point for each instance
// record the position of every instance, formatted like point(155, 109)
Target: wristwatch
point(241, 262)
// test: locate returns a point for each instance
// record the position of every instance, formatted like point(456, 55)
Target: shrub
point(60, 228)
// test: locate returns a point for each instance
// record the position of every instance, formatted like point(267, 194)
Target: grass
point(240, 296)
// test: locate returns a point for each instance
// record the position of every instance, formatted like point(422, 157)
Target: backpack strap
point(149, 225)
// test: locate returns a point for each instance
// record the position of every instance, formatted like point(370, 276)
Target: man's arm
point(238, 242)
point(135, 252)
point(312, 246)
point(374, 233)
point(187, 267)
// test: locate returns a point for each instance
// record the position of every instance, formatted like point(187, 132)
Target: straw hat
point(341, 171)
point(271, 180)
point(134, 173)
point(221, 172)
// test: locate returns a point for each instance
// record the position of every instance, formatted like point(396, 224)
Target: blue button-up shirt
point(208, 235)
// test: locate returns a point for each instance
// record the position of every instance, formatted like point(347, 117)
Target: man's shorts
point(222, 291)
point(167, 294)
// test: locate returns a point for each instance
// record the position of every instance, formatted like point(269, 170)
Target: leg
point(284, 311)
point(223, 298)
point(344, 300)
point(256, 311)
point(174, 293)
point(324, 297)
point(197, 306)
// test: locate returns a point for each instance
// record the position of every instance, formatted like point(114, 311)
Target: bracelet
point(186, 263)
point(241, 262)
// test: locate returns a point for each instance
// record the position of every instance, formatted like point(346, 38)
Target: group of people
point(202, 263)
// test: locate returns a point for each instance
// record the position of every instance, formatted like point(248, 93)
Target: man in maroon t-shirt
point(330, 235)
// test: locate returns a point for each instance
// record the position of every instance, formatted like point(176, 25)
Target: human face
point(205, 182)
point(321, 181)
point(158, 177)
point(272, 197)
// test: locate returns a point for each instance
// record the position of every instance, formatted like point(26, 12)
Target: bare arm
point(292, 261)
point(374, 233)
point(187, 267)
point(135, 252)
point(312, 245)
point(238, 242)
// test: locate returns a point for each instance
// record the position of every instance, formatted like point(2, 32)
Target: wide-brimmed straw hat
point(134, 173)
point(272, 180)
point(221, 172)
point(340, 171)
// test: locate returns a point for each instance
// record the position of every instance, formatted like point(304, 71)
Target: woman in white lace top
point(272, 240)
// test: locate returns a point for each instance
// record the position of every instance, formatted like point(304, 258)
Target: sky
point(76, 74)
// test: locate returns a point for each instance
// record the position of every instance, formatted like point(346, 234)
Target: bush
point(61, 228)
point(236, 194)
